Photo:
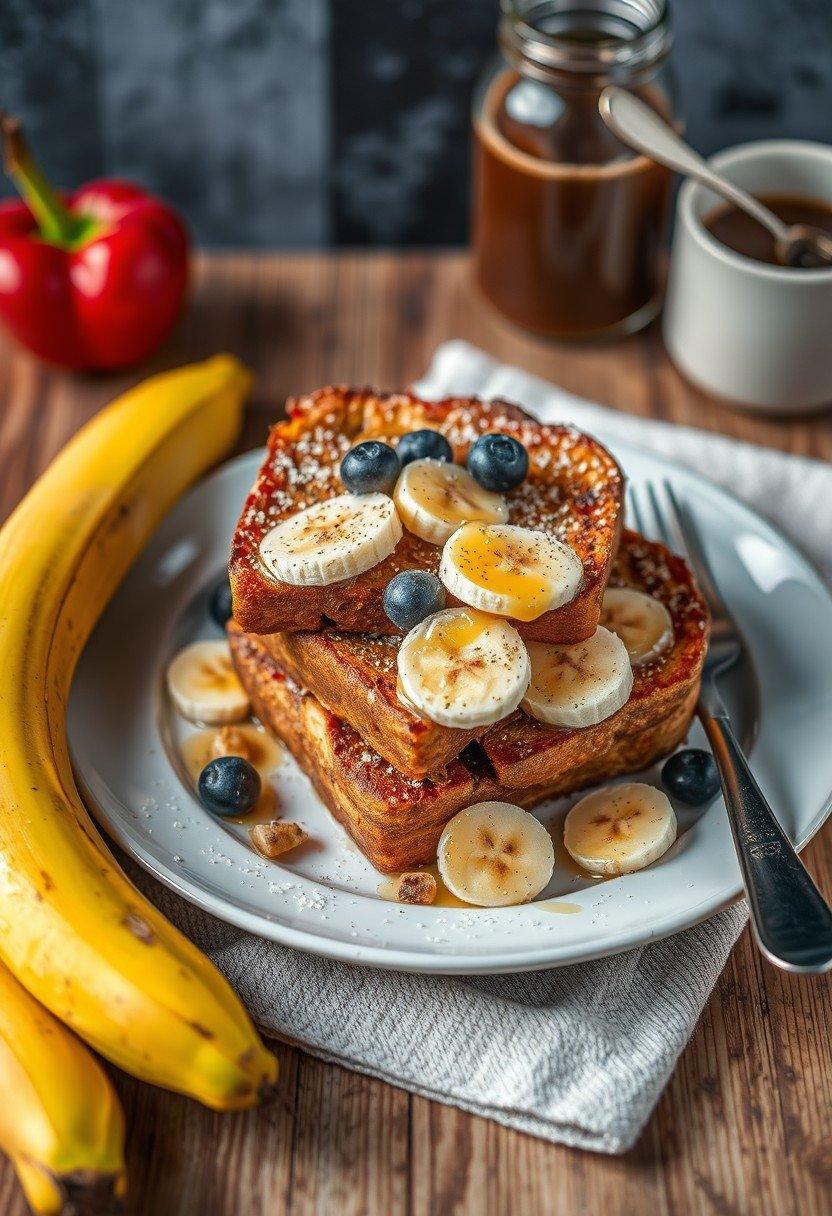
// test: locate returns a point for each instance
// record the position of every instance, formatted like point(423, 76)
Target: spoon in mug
point(800, 246)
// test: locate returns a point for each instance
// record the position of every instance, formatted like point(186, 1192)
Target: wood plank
point(185, 1159)
point(351, 1145)
point(744, 1124)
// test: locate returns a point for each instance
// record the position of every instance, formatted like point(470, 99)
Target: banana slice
point(581, 684)
point(463, 668)
point(204, 687)
point(620, 828)
point(509, 571)
point(434, 498)
point(494, 854)
point(332, 540)
point(642, 622)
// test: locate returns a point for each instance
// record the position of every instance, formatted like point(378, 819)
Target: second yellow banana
point(60, 1120)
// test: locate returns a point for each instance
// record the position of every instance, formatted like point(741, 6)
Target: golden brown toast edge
point(524, 752)
point(397, 820)
point(574, 489)
point(354, 675)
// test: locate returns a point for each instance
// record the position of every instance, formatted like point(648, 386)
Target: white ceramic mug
point(754, 334)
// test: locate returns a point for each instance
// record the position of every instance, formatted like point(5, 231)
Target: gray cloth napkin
point(579, 1054)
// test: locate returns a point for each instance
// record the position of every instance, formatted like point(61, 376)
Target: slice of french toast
point(397, 820)
point(573, 491)
point(354, 675)
point(524, 752)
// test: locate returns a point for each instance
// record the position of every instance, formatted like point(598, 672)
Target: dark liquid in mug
point(739, 232)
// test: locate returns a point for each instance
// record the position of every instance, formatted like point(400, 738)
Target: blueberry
point(369, 467)
point(219, 604)
point(498, 462)
point(411, 596)
point(691, 776)
point(229, 785)
point(419, 445)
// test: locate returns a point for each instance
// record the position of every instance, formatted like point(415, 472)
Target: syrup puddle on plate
point(264, 752)
point(558, 907)
point(446, 899)
point(564, 860)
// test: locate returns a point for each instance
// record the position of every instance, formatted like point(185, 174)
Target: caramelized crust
point(573, 490)
point(524, 752)
point(355, 675)
point(397, 820)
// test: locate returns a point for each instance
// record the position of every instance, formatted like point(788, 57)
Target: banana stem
point(83, 1193)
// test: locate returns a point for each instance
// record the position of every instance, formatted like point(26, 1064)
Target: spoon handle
point(639, 126)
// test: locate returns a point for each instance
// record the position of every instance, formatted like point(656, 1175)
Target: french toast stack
point(325, 667)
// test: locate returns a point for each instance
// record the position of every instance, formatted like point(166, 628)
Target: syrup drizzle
point(446, 899)
point(264, 752)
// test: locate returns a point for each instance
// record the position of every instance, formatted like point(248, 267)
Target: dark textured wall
point(315, 122)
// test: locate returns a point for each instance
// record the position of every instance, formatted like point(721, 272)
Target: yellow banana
point(60, 1120)
point(73, 929)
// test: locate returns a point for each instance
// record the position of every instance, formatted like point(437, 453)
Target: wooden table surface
point(744, 1126)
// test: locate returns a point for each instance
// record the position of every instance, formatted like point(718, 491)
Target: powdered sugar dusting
point(573, 490)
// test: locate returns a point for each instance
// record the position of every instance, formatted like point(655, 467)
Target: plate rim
point(437, 962)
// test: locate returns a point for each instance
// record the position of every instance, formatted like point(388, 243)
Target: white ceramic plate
point(326, 898)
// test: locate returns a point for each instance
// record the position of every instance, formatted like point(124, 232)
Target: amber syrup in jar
point(569, 225)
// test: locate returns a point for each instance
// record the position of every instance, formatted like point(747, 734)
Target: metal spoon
point(632, 120)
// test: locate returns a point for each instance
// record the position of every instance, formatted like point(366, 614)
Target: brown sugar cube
point(230, 741)
point(416, 888)
point(275, 838)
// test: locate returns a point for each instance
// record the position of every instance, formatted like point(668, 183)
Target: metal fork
point(792, 921)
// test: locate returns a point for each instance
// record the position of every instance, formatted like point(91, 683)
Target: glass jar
point(568, 224)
